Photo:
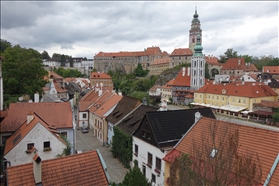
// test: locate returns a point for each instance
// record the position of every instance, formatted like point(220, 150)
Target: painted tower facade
point(195, 31)
point(197, 66)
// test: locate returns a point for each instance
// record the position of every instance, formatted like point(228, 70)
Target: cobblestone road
point(86, 141)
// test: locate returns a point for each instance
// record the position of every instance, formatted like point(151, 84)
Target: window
point(144, 170)
point(244, 100)
point(158, 163)
point(64, 134)
point(146, 134)
point(136, 150)
point(153, 178)
point(46, 144)
point(30, 146)
point(213, 153)
point(217, 98)
point(83, 115)
point(149, 163)
point(239, 101)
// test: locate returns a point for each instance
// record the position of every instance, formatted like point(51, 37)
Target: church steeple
point(198, 48)
point(195, 31)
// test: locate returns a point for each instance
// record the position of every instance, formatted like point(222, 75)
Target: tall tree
point(207, 75)
point(23, 71)
point(4, 45)
point(230, 53)
point(63, 60)
point(71, 61)
point(55, 55)
point(45, 55)
point(135, 177)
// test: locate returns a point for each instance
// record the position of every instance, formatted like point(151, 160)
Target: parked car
point(84, 130)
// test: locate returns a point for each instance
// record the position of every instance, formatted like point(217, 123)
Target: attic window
point(213, 153)
point(146, 134)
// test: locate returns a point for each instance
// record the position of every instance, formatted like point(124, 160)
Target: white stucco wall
point(83, 121)
point(38, 135)
point(247, 78)
point(110, 132)
point(142, 158)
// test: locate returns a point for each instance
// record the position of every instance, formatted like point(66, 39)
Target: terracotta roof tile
point(212, 60)
point(181, 80)
point(99, 101)
point(84, 169)
point(246, 90)
point(99, 75)
point(253, 139)
point(58, 114)
point(54, 75)
point(271, 69)
point(24, 129)
point(59, 88)
point(148, 51)
point(104, 108)
point(238, 64)
point(181, 52)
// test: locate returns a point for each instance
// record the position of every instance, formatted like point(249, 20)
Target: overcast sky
point(82, 29)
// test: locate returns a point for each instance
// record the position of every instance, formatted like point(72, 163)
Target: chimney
point(36, 97)
point(197, 116)
point(188, 74)
point(100, 92)
point(183, 71)
point(37, 169)
point(119, 92)
point(238, 61)
point(30, 116)
point(144, 101)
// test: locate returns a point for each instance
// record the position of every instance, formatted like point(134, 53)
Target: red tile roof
point(271, 104)
point(181, 52)
point(79, 169)
point(148, 51)
point(99, 101)
point(57, 114)
point(99, 75)
point(54, 75)
point(253, 140)
point(169, 84)
point(182, 80)
point(212, 60)
point(238, 64)
point(271, 69)
point(246, 90)
point(59, 88)
point(111, 102)
point(89, 96)
point(25, 128)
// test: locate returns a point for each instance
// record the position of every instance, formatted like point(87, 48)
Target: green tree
point(275, 117)
point(56, 55)
point(94, 70)
point(135, 177)
point(45, 55)
point(122, 146)
point(140, 95)
point(71, 61)
point(261, 61)
point(142, 84)
point(247, 58)
point(140, 72)
point(207, 75)
point(23, 71)
point(68, 72)
point(63, 60)
point(4, 45)
point(230, 53)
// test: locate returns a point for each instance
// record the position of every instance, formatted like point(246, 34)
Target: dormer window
point(213, 152)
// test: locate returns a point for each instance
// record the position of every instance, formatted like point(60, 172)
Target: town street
point(86, 141)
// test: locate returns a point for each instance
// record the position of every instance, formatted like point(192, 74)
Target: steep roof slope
point(125, 105)
point(24, 129)
point(84, 169)
point(256, 139)
point(58, 114)
point(169, 126)
point(130, 123)
point(182, 79)
point(111, 102)
point(238, 64)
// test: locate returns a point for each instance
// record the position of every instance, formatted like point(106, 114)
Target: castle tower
point(197, 66)
point(195, 31)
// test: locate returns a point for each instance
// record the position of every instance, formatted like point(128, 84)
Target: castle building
point(195, 31)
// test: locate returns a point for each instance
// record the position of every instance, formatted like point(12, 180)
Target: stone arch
point(214, 72)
